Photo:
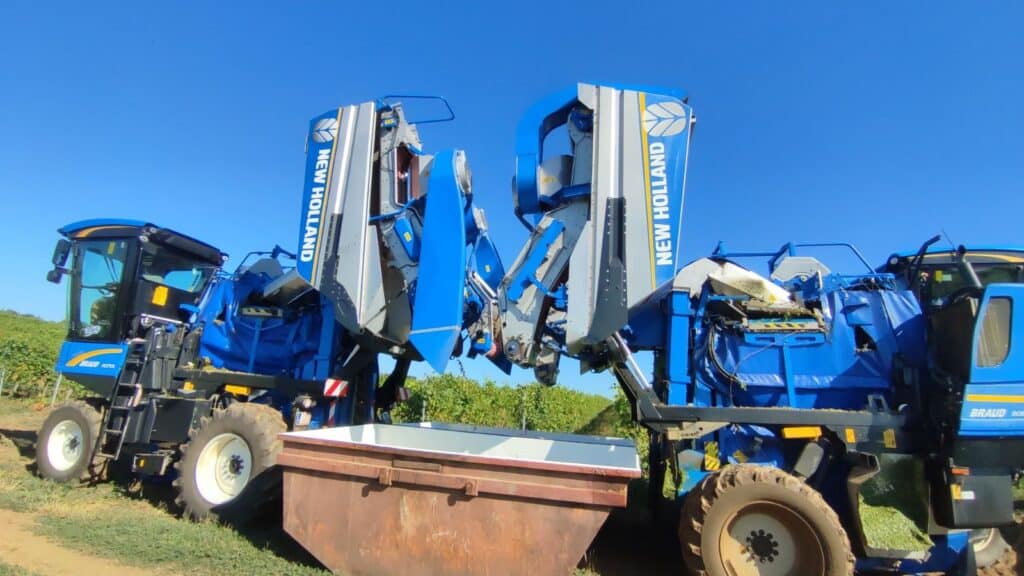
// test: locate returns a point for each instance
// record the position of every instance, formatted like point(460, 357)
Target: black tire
point(1008, 562)
point(256, 425)
point(739, 498)
point(989, 547)
point(66, 442)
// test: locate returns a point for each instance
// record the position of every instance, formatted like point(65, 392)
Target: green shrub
point(28, 352)
point(450, 398)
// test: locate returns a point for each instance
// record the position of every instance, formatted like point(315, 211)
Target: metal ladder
point(123, 400)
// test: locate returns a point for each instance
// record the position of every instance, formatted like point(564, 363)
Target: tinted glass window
point(942, 282)
point(173, 269)
point(98, 270)
point(994, 341)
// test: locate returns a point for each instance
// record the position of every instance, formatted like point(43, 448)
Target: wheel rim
point(770, 539)
point(65, 446)
point(223, 470)
point(982, 538)
point(988, 544)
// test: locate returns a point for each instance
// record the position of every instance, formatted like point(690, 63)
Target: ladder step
point(114, 431)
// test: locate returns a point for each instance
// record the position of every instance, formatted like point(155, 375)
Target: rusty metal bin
point(446, 499)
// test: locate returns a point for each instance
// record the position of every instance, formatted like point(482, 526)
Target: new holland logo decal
point(664, 119)
point(325, 130)
point(664, 122)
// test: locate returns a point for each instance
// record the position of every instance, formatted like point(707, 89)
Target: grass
point(106, 521)
point(19, 409)
point(11, 570)
point(147, 539)
point(118, 522)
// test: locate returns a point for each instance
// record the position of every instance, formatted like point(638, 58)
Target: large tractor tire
point(66, 442)
point(993, 555)
point(228, 468)
point(751, 520)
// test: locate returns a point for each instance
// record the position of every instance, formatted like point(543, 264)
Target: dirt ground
point(19, 545)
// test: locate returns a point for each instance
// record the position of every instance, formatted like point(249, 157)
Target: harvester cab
point(941, 276)
point(972, 299)
point(194, 370)
point(124, 275)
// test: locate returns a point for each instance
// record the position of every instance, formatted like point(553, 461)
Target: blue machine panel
point(810, 369)
point(321, 146)
point(665, 135)
point(406, 235)
point(91, 358)
point(994, 398)
point(437, 311)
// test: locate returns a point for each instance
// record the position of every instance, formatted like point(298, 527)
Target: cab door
point(98, 294)
point(994, 395)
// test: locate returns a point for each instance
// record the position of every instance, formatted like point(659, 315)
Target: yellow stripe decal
point(88, 231)
point(1003, 257)
point(327, 194)
point(1010, 398)
point(993, 255)
point(92, 354)
point(647, 180)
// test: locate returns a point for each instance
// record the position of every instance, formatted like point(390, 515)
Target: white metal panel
point(358, 271)
point(569, 449)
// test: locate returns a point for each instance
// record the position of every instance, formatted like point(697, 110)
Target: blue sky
point(869, 122)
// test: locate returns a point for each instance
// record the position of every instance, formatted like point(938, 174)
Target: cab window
point(943, 282)
point(994, 341)
point(96, 282)
point(175, 270)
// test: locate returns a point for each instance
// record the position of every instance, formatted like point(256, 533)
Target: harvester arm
point(614, 201)
point(385, 226)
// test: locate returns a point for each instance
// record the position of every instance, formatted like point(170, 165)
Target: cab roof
point(120, 228)
point(1018, 250)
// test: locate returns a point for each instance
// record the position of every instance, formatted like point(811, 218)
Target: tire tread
point(703, 498)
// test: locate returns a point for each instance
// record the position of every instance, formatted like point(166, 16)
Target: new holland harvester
point(812, 421)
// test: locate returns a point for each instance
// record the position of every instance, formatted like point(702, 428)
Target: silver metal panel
point(286, 288)
point(617, 172)
point(639, 281)
point(579, 315)
point(520, 319)
point(501, 444)
point(604, 181)
point(372, 301)
point(358, 262)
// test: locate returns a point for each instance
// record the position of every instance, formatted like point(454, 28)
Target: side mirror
point(54, 275)
point(61, 252)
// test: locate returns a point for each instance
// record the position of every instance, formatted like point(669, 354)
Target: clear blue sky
point(877, 123)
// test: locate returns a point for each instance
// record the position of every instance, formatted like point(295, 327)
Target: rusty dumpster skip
point(446, 499)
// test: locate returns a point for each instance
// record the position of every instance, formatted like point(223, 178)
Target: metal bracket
point(694, 430)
